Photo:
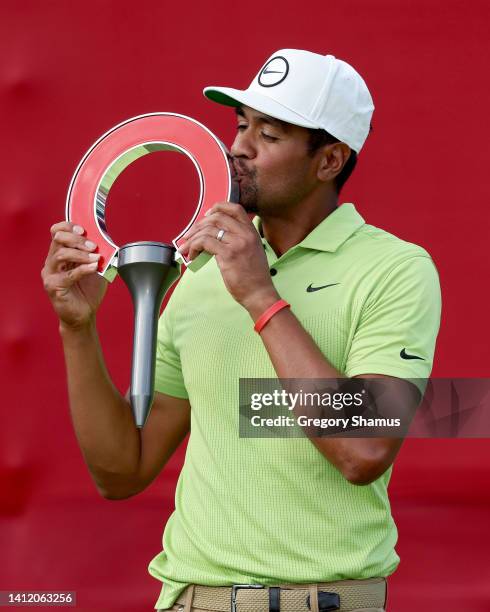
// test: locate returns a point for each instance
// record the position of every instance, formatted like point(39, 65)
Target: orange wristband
point(269, 313)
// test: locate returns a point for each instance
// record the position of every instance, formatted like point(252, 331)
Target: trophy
point(147, 268)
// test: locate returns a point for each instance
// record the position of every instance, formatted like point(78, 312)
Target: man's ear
point(332, 160)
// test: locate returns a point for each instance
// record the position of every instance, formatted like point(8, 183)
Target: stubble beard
point(249, 193)
point(252, 197)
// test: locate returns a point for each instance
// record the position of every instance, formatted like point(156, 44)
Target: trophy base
point(148, 269)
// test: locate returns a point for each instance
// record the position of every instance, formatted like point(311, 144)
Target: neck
point(293, 225)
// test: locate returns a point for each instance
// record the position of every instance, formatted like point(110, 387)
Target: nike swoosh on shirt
point(310, 288)
point(405, 355)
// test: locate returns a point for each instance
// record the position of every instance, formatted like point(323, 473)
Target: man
point(302, 524)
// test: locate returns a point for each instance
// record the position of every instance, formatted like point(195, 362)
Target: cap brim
point(236, 97)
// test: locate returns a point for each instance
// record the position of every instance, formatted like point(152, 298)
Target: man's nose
point(242, 146)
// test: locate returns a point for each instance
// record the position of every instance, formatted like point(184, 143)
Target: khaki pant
point(352, 593)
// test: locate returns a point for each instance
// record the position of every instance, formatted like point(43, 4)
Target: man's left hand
point(239, 254)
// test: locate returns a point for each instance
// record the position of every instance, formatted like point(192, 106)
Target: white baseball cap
point(310, 90)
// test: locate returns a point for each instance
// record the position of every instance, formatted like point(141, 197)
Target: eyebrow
point(264, 119)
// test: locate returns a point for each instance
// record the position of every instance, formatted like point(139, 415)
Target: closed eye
point(268, 137)
point(242, 127)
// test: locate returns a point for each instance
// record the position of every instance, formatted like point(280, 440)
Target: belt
point(342, 595)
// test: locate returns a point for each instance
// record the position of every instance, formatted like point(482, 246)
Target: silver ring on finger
point(220, 234)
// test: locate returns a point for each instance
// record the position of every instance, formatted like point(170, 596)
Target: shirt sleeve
point(399, 323)
point(168, 370)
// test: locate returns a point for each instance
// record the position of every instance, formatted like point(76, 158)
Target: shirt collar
point(331, 233)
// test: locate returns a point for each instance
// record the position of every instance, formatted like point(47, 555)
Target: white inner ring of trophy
point(120, 164)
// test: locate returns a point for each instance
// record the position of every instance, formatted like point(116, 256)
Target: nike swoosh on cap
point(310, 287)
point(405, 355)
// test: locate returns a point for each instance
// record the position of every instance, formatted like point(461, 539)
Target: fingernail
point(93, 266)
point(78, 229)
point(207, 212)
point(93, 256)
point(90, 245)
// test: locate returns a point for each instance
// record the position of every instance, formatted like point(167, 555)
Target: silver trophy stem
point(148, 269)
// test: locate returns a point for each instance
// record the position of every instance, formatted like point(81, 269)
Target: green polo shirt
point(274, 510)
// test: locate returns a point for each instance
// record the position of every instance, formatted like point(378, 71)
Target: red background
point(72, 70)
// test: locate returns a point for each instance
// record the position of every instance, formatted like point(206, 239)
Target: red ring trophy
point(147, 268)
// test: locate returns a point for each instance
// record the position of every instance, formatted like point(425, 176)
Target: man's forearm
point(102, 418)
point(294, 354)
point(291, 349)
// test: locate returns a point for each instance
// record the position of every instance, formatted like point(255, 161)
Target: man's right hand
point(70, 275)
point(122, 459)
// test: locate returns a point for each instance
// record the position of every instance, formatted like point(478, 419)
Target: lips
point(238, 171)
point(239, 175)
